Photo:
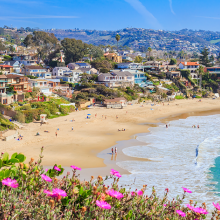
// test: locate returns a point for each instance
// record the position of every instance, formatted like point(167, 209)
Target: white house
point(191, 66)
point(116, 79)
point(73, 66)
point(42, 84)
point(60, 71)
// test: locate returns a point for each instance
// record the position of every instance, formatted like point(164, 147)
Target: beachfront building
point(73, 66)
point(5, 97)
point(115, 103)
point(36, 71)
point(191, 66)
point(19, 82)
point(6, 69)
point(42, 84)
point(173, 74)
point(139, 76)
point(116, 79)
point(83, 65)
point(89, 70)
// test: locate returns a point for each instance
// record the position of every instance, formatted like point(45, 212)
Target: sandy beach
point(89, 137)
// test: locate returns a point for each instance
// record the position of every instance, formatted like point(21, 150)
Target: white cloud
point(141, 9)
point(171, 7)
point(36, 16)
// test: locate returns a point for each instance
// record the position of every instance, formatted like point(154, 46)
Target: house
point(173, 74)
point(42, 84)
point(60, 71)
point(89, 70)
point(116, 79)
point(19, 82)
point(115, 103)
point(15, 64)
point(7, 98)
point(6, 69)
point(213, 70)
point(139, 76)
point(114, 57)
point(33, 71)
point(83, 65)
point(29, 62)
point(73, 66)
point(191, 66)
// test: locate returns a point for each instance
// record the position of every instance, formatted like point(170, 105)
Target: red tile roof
point(190, 64)
point(6, 66)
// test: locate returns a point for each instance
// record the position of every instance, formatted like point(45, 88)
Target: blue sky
point(112, 14)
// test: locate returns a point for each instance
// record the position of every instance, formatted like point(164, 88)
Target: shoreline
point(92, 138)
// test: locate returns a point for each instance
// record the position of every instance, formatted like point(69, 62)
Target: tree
point(212, 59)
point(149, 50)
point(204, 58)
point(102, 65)
point(2, 46)
point(28, 41)
point(117, 37)
point(138, 59)
point(201, 72)
point(151, 58)
point(95, 52)
point(74, 50)
point(11, 48)
point(173, 61)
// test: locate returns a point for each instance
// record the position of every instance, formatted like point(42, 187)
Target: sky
point(111, 14)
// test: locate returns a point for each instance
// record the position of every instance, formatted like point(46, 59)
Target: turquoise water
point(181, 156)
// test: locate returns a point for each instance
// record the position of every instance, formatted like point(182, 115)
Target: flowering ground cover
point(30, 192)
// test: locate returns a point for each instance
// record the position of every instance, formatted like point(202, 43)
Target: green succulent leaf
point(5, 157)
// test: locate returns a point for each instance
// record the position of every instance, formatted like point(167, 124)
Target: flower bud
point(94, 188)
point(32, 159)
point(83, 209)
point(51, 203)
point(21, 165)
point(37, 172)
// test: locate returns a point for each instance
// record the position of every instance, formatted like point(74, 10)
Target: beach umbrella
point(88, 114)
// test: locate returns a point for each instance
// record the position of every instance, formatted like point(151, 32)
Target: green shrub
point(179, 97)
point(20, 117)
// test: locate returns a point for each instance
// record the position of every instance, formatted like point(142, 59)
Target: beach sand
point(92, 136)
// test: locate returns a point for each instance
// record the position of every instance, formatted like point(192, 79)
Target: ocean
point(181, 156)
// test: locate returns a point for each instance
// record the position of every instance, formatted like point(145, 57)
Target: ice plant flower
point(186, 190)
point(217, 206)
point(115, 173)
point(200, 211)
point(164, 205)
point(46, 178)
point(183, 214)
point(115, 194)
point(10, 182)
point(102, 197)
point(75, 167)
point(140, 193)
point(189, 207)
point(57, 168)
point(133, 193)
point(58, 192)
point(103, 205)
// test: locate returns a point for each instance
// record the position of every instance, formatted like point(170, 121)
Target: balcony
point(6, 95)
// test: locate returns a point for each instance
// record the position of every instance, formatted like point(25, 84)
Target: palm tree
point(165, 54)
point(201, 72)
point(149, 51)
point(117, 37)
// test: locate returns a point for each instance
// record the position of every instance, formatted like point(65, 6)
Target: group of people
point(115, 150)
point(195, 126)
point(121, 129)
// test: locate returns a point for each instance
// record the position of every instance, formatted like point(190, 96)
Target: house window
point(4, 101)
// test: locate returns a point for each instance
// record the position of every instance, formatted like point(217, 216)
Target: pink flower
point(164, 205)
point(57, 168)
point(10, 182)
point(56, 193)
point(217, 206)
point(115, 194)
point(115, 173)
point(183, 214)
point(133, 193)
point(103, 205)
point(140, 193)
point(75, 167)
point(200, 211)
point(46, 178)
point(189, 207)
point(46, 170)
point(186, 190)
point(167, 190)
point(59, 192)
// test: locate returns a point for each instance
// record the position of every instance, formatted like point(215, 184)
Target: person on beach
point(112, 151)
point(105, 117)
point(72, 128)
point(56, 133)
point(116, 117)
point(115, 150)
point(197, 126)
point(166, 126)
